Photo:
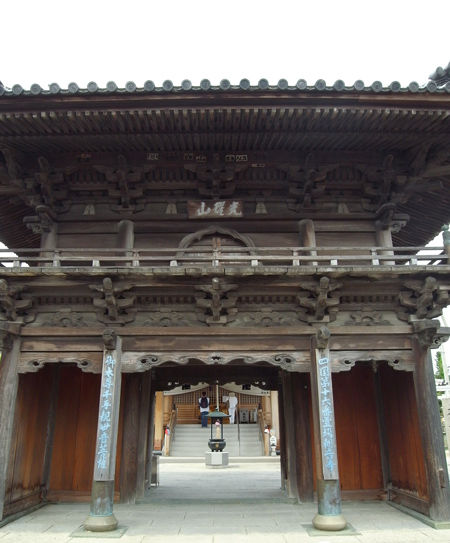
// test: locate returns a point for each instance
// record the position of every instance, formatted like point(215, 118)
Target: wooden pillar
point(49, 238)
point(430, 422)
point(275, 413)
point(145, 439)
point(50, 428)
point(289, 425)
point(9, 381)
point(329, 516)
point(282, 436)
point(303, 442)
point(308, 237)
point(151, 443)
point(384, 239)
point(49, 242)
point(101, 517)
point(130, 436)
point(267, 410)
point(381, 423)
point(137, 392)
point(446, 240)
point(159, 420)
point(125, 238)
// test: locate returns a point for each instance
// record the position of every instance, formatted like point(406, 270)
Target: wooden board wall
point(25, 473)
point(357, 435)
point(406, 460)
point(168, 234)
point(75, 436)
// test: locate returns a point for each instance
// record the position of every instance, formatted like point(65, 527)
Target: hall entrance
point(180, 442)
point(376, 417)
point(247, 426)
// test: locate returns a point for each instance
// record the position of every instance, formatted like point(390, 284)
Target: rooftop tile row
point(440, 84)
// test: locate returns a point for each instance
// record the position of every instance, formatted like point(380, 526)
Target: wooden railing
point(225, 257)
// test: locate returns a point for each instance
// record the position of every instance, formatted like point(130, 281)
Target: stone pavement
point(240, 504)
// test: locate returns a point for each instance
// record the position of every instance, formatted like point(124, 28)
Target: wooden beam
point(302, 330)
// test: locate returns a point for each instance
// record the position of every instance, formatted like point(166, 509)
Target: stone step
point(191, 440)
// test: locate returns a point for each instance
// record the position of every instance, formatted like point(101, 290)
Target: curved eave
point(298, 119)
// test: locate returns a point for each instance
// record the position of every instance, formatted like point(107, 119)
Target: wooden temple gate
point(160, 240)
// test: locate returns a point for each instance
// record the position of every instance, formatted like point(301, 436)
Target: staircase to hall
point(191, 440)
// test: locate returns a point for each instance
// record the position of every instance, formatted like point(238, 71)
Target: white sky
point(45, 41)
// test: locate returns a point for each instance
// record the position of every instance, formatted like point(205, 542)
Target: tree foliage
point(439, 373)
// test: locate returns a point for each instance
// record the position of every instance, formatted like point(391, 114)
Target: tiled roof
point(441, 76)
point(435, 85)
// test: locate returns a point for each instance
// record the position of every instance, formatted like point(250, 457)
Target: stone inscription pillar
point(101, 517)
point(329, 516)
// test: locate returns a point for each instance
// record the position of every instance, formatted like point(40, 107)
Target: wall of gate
point(406, 459)
point(25, 478)
point(75, 436)
point(357, 434)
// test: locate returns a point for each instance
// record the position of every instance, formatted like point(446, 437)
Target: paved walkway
point(186, 507)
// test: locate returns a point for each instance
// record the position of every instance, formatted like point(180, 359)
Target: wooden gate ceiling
point(166, 135)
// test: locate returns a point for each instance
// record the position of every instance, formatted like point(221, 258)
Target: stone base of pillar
point(217, 459)
point(101, 524)
point(329, 523)
point(101, 517)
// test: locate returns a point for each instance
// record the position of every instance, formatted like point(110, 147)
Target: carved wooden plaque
point(214, 209)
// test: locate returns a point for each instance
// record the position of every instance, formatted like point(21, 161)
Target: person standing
point(203, 403)
point(232, 403)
